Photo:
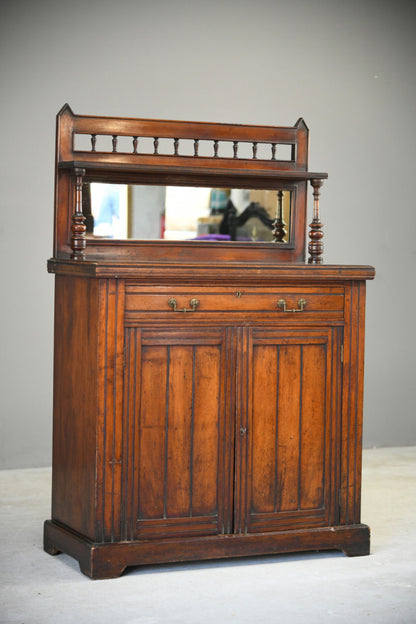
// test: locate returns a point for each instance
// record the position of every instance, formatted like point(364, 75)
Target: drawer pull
point(282, 305)
point(193, 303)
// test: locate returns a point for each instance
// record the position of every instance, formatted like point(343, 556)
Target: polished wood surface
point(88, 149)
point(236, 422)
point(228, 423)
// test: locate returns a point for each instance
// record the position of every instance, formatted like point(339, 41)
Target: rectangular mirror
point(179, 213)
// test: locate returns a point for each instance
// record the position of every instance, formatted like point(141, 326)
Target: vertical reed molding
point(78, 227)
point(316, 246)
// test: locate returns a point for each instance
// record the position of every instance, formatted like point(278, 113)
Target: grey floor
point(36, 588)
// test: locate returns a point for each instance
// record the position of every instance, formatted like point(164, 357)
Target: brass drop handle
point(243, 431)
point(193, 303)
point(282, 305)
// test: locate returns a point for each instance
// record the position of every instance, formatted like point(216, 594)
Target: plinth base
point(109, 560)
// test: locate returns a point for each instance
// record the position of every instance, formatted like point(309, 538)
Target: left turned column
point(78, 227)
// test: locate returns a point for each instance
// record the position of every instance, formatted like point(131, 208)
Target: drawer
point(279, 301)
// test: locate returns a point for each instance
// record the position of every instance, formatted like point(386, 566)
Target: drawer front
point(280, 302)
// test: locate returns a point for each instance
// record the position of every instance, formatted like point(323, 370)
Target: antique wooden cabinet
point(207, 391)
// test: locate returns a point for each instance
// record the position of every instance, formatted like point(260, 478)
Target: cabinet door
point(177, 422)
point(288, 455)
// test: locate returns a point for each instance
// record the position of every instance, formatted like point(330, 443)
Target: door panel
point(290, 420)
point(178, 460)
point(315, 377)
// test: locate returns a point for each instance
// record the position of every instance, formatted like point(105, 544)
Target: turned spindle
point(78, 227)
point(279, 231)
point(316, 246)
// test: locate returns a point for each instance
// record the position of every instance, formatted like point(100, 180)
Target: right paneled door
point(287, 467)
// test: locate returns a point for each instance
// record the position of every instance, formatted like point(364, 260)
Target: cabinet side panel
point(75, 403)
point(352, 405)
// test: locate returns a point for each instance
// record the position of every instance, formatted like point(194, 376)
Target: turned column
point(78, 227)
point(316, 246)
point(279, 231)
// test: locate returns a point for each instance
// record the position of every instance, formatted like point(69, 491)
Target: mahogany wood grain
point(291, 423)
point(233, 429)
point(75, 404)
point(112, 164)
point(180, 443)
point(105, 561)
point(315, 246)
point(170, 272)
point(153, 434)
point(287, 452)
point(164, 452)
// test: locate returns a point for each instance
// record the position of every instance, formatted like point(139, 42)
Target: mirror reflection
point(121, 211)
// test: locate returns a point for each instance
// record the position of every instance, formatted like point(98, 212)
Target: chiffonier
point(208, 367)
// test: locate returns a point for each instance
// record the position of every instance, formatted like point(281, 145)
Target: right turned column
point(316, 246)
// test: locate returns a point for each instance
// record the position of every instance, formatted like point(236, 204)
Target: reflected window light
point(180, 221)
point(109, 209)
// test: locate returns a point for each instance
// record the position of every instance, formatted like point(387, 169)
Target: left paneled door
point(178, 432)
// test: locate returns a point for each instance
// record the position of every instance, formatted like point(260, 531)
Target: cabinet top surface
point(257, 273)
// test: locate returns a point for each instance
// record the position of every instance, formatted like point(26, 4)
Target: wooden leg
point(48, 543)
point(51, 550)
point(94, 561)
point(98, 571)
point(357, 550)
point(360, 545)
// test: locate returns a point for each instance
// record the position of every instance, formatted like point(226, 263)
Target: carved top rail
point(90, 142)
